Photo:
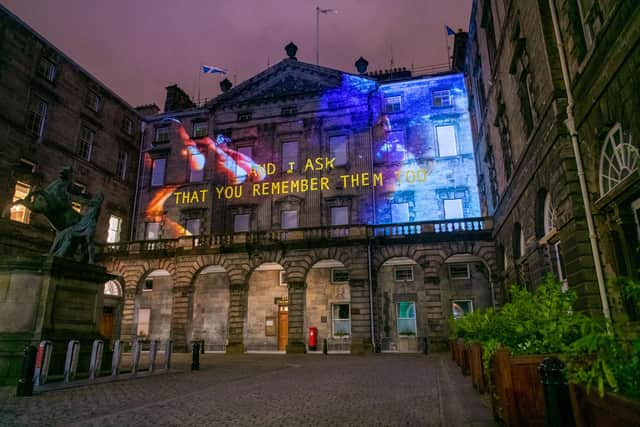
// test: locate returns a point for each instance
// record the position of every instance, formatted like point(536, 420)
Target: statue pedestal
point(47, 298)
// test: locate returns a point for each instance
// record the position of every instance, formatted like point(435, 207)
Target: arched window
point(112, 287)
point(517, 240)
point(550, 217)
point(618, 159)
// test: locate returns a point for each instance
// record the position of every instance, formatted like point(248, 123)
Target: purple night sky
point(137, 47)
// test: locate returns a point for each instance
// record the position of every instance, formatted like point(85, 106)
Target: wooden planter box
point(475, 366)
point(463, 358)
point(518, 396)
point(610, 410)
point(452, 347)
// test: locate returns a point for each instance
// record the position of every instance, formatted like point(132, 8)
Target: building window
point(502, 122)
point(550, 216)
point(127, 126)
point(453, 209)
point(557, 263)
point(516, 241)
point(148, 285)
point(340, 215)
point(282, 276)
point(144, 316)
point(196, 167)
point(635, 208)
point(289, 156)
point(338, 150)
point(121, 165)
point(403, 274)
point(157, 172)
point(461, 307)
point(441, 98)
point(200, 129)
point(589, 19)
point(94, 101)
point(115, 226)
point(289, 219)
point(393, 104)
point(618, 160)
point(47, 69)
point(289, 111)
point(399, 213)
point(37, 116)
point(192, 227)
point(406, 318)
point(152, 231)
point(87, 139)
point(241, 223)
point(162, 135)
point(341, 320)
point(339, 275)
point(447, 145)
point(487, 24)
point(113, 288)
point(19, 212)
point(459, 271)
point(244, 116)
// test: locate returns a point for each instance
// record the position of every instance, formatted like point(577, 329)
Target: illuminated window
point(121, 166)
point(94, 101)
point(461, 307)
point(127, 126)
point(289, 219)
point(446, 137)
point(406, 317)
point(152, 230)
point(399, 212)
point(193, 227)
point(338, 150)
point(441, 98)
point(144, 316)
point(196, 167)
point(157, 172)
point(115, 226)
point(241, 223)
point(459, 271)
point(20, 213)
point(289, 156)
point(453, 209)
point(393, 104)
point(200, 129)
point(87, 139)
point(340, 320)
point(162, 135)
point(37, 116)
point(47, 69)
point(112, 288)
point(403, 273)
point(340, 215)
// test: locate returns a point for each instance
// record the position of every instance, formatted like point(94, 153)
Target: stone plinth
point(47, 298)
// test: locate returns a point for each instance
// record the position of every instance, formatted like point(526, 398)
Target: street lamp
point(318, 12)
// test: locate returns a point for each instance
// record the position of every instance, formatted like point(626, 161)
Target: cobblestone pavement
point(268, 390)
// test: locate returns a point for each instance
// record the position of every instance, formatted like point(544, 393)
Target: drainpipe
point(138, 177)
point(573, 132)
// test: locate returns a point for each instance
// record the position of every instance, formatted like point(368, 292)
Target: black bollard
point(25, 383)
point(557, 403)
point(202, 347)
point(324, 346)
point(195, 362)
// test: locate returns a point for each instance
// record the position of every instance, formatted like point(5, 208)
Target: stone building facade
point(303, 198)
point(528, 167)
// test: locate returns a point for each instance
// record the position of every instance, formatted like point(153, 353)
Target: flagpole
point(317, 35)
point(199, 76)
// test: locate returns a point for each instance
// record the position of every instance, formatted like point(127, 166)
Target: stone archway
point(209, 320)
point(112, 309)
point(153, 306)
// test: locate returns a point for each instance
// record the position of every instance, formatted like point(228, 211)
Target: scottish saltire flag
point(450, 32)
point(207, 69)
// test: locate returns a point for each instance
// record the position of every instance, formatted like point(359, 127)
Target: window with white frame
point(192, 226)
point(196, 167)
point(157, 172)
point(241, 223)
point(37, 116)
point(550, 217)
point(144, 317)
point(338, 150)
point(635, 208)
point(289, 155)
point(403, 273)
point(461, 307)
point(152, 231)
point(441, 98)
point(127, 126)
point(282, 278)
point(340, 215)
point(115, 227)
point(87, 140)
point(447, 145)
point(339, 275)
point(161, 135)
point(393, 104)
point(113, 288)
point(47, 69)
point(20, 213)
point(618, 160)
point(121, 165)
point(459, 271)
point(557, 263)
point(341, 320)
point(406, 318)
point(200, 129)
point(453, 209)
point(588, 20)
point(289, 219)
point(94, 101)
point(399, 212)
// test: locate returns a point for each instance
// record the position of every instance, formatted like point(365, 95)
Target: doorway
point(283, 326)
point(106, 327)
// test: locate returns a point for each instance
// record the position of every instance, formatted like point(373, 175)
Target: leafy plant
point(407, 333)
point(630, 292)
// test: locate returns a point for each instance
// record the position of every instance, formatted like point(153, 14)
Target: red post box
point(313, 338)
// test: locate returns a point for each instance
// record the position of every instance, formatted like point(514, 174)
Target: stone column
point(127, 328)
point(297, 296)
point(238, 295)
point(179, 316)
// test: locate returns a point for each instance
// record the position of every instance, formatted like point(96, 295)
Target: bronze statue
point(72, 229)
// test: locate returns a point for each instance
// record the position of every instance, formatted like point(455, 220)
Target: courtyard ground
point(268, 390)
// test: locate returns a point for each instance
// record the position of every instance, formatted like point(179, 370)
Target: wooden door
point(106, 327)
point(283, 327)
